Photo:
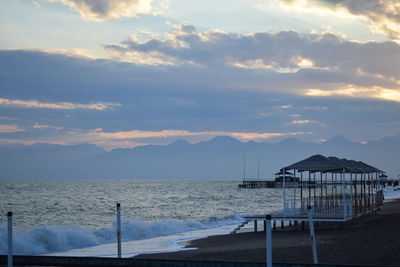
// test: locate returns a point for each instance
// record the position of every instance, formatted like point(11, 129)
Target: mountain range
point(220, 157)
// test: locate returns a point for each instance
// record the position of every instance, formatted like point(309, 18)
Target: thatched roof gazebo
point(336, 189)
point(315, 163)
point(288, 176)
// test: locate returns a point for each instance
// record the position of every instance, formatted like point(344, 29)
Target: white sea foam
point(391, 193)
point(48, 239)
point(169, 243)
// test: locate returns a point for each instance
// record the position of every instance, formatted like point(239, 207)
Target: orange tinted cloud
point(55, 105)
point(361, 92)
point(138, 134)
point(10, 128)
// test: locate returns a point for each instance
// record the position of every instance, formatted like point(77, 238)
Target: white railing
point(322, 207)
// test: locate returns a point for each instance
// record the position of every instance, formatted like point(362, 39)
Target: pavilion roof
point(372, 168)
point(320, 163)
point(315, 163)
point(281, 172)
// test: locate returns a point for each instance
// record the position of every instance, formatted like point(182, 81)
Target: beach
point(372, 240)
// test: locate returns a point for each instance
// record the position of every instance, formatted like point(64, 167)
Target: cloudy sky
point(124, 73)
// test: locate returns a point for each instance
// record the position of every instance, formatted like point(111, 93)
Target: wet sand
point(374, 240)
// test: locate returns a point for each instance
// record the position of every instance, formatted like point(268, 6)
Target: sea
point(78, 217)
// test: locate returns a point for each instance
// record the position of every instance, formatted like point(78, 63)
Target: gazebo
point(336, 189)
point(288, 176)
point(330, 189)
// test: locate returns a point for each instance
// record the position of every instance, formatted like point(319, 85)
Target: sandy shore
point(374, 240)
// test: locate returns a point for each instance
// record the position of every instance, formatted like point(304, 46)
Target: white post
point(284, 192)
point(312, 234)
point(351, 195)
point(377, 188)
point(344, 193)
point(244, 166)
point(268, 244)
point(295, 184)
point(9, 240)
point(119, 230)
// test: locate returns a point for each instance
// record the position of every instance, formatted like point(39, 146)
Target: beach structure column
point(351, 195)
point(344, 202)
point(9, 240)
point(355, 195)
point(294, 190)
point(284, 192)
point(119, 230)
point(312, 234)
point(268, 239)
point(301, 191)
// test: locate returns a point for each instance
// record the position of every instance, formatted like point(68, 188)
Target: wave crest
point(54, 238)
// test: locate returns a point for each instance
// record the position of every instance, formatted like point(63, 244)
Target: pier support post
point(268, 247)
point(119, 230)
point(312, 234)
point(265, 225)
point(9, 240)
point(303, 225)
point(255, 226)
point(274, 225)
point(281, 224)
point(296, 225)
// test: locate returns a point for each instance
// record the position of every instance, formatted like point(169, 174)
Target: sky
point(126, 73)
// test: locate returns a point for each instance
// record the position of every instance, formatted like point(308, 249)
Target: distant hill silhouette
point(220, 157)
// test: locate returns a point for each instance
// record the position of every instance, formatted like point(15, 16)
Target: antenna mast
point(244, 166)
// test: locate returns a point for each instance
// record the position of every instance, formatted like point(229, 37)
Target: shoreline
point(370, 240)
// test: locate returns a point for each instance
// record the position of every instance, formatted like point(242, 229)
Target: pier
point(258, 184)
point(281, 178)
point(274, 184)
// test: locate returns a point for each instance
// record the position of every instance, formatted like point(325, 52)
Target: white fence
point(322, 207)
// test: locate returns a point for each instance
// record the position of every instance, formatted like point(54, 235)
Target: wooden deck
point(257, 184)
point(312, 184)
point(263, 184)
point(281, 217)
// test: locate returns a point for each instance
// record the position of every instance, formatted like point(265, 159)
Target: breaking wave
point(54, 238)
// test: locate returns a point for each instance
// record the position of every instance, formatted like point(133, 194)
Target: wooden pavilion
point(336, 189)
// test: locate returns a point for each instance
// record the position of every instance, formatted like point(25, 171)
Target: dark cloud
point(187, 97)
point(286, 51)
point(383, 14)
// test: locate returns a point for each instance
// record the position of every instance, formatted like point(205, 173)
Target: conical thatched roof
point(347, 165)
point(369, 167)
point(321, 163)
point(362, 168)
point(315, 163)
point(281, 172)
point(352, 166)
